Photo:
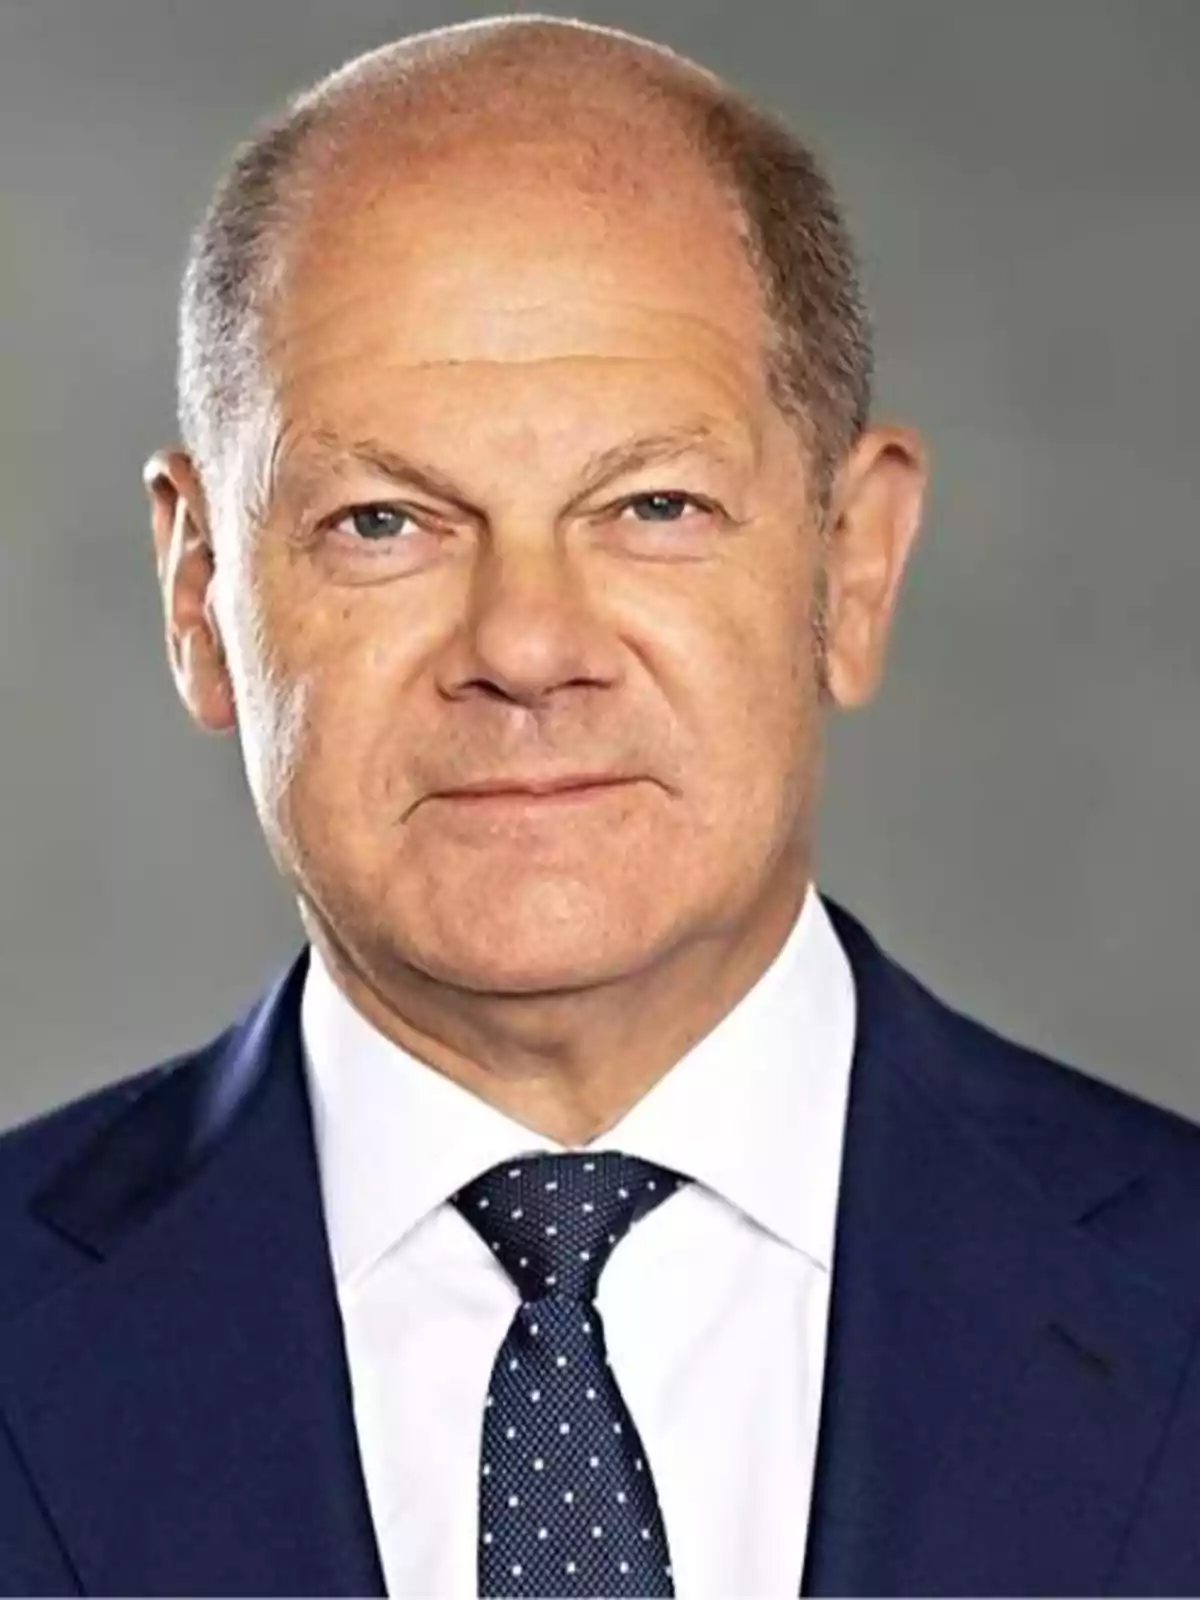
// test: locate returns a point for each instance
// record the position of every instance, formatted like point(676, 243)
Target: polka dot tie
point(566, 1498)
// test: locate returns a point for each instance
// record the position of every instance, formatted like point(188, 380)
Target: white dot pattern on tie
point(567, 1503)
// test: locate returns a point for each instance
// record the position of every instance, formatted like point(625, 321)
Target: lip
point(572, 787)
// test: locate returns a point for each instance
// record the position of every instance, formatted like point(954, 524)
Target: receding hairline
point(515, 74)
point(503, 49)
point(429, 94)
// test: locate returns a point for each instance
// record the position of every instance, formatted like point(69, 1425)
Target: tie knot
point(554, 1220)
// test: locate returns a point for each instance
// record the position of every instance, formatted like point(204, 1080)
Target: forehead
point(489, 288)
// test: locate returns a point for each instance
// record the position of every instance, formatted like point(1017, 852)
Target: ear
point(186, 565)
point(875, 515)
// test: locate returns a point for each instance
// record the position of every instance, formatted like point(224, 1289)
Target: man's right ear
point(186, 565)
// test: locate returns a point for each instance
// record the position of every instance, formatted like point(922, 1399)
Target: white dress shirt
point(715, 1306)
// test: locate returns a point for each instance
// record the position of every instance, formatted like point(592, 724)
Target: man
point(590, 1209)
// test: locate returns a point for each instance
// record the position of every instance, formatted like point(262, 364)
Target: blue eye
point(372, 523)
point(664, 505)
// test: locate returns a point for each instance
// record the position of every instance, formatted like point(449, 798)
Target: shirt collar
point(755, 1110)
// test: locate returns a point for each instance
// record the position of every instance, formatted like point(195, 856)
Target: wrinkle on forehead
point(460, 303)
point(565, 411)
point(550, 381)
point(568, 398)
point(535, 252)
point(605, 339)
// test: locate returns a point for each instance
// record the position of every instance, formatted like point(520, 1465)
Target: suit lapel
point(997, 1382)
point(182, 1401)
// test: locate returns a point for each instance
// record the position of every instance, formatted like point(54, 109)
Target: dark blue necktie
point(566, 1497)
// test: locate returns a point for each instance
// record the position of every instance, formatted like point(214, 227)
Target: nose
point(530, 627)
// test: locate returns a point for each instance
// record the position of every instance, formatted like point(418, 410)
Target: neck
point(569, 1064)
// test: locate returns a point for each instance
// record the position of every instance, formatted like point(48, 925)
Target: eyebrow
point(602, 467)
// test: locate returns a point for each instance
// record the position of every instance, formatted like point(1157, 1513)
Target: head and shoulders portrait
point(531, 521)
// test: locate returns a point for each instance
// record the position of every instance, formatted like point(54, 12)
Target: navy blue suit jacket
point(1013, 1392)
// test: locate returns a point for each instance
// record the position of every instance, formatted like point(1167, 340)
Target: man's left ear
point(875, 514)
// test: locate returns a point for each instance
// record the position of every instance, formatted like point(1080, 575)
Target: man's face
point(522, 509)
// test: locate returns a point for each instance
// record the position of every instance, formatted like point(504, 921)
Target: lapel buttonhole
point(1096, 1363)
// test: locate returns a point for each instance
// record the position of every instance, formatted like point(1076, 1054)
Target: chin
point(540, 943)
point(524, 977)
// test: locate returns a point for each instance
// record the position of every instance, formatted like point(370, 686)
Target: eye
point(663, 505)
point(371, 523)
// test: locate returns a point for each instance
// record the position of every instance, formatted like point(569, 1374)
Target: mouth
point(555, 794)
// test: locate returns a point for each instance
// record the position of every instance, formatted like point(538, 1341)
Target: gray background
point(1015, 817)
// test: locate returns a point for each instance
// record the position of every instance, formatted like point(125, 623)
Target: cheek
point(752, 678)
point(289, 693)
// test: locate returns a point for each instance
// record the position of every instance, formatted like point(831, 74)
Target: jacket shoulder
point(1007, 1077)
point(1101, 1156)
point(1064, 1124)
point(31, 1153)
point(37, 1144)
point(992, 1077)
